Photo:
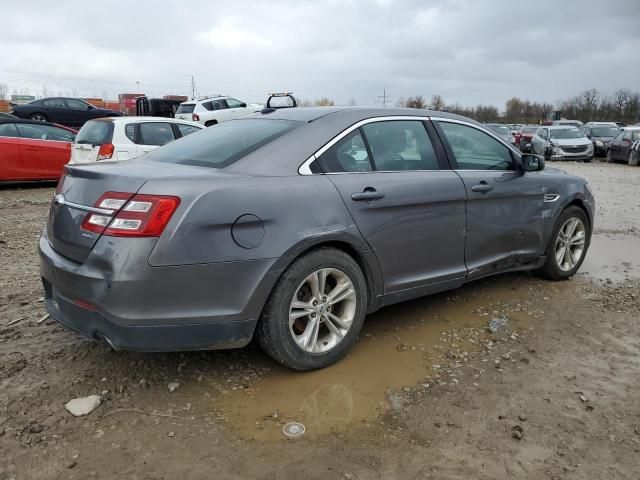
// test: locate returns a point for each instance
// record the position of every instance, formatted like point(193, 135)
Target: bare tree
point(352, 102)
point(4, 91)
point(437, 102)
point(416, 102)
point(401, 102)
point(323, 102)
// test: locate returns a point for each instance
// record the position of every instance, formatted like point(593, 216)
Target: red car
point(524, 136)
point(32, 150)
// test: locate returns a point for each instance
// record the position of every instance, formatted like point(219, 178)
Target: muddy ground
point(428, 392)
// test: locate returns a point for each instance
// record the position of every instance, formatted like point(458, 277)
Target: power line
point(384, 97)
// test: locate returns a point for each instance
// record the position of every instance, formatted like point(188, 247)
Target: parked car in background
point(625, 146)
point(213, 110)
point(32, 150)
point(71, 112)
point(502, 131)
point(214, 239)
point(6, 115)
point(524, 136)
point(156, 107)
point(125, 138)
point(559, 142)
point(600, 134)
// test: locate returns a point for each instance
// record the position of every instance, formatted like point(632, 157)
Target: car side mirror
point(531, 162)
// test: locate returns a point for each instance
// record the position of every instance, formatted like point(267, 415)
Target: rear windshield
point(223, 144)
point(96, 132)
point(186, 108)
point(606, 131)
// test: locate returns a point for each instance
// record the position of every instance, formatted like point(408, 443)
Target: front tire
point(568, 244)
point(315, 312)
point(634, 158)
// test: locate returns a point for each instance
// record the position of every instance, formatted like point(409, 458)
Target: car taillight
point(195, 117)
point(128, 215)
point(105, 152)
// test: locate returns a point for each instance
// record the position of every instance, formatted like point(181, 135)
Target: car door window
point(618, 137)
point(130, 131)
point(32, 131)
point(233, 103)
point(155, 133)
point(400, 145)
point(543, 133)
point(476, 150)
point(8, 130)
point(57, 134)
point(347, 155)
point(627, 135)
point(54, 102)
point(76, 104)
point(187, 129)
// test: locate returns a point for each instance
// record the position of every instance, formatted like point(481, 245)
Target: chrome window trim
point(305, 168)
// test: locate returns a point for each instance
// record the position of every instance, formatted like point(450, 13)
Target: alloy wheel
point(570, 244)
point(322, 310)
point(39, 118)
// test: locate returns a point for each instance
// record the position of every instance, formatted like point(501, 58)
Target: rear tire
point(38, 117)
point(634, 158)
point(572, 233)
point(303, 334)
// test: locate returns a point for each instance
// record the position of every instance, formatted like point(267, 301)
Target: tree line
point(591, 105)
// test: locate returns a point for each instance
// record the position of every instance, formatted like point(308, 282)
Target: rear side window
point(187, 129)
point(186, 108)
point(54, 102)
point(400, 145)
point(347, 155)
point(8, 130)
point(156, 133)
point(96, 132)
point(130, 131)
point(475, 150)
point(224, 144)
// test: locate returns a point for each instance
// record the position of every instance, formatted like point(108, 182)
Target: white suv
point(214, 110)
point(124, 138)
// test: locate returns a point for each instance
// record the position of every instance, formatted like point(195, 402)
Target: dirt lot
point(428, 392)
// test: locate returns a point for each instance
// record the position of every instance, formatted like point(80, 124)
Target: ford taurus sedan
point(292, 225)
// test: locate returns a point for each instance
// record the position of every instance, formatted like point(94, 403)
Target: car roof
point(601, 123)
point(135, 119)
point(563, 126)
point(31, 122)
point(310, 114)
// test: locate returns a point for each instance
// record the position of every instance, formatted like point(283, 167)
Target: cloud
point(468, 51)
point(227, 34)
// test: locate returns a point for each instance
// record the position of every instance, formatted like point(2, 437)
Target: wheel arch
point(349, 244)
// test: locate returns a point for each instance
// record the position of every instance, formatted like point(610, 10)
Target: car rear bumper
point(191, 307)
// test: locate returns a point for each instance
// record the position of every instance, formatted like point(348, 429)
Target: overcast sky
point(468, 51)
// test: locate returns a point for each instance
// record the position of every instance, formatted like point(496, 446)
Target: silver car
point(556, 142)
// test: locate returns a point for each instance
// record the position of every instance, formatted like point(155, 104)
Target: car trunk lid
point(78, 191)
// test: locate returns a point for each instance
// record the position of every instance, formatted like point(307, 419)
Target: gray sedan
point(292, 225)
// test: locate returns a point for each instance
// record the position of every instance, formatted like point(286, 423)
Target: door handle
point(482, 187)
point(369, 194)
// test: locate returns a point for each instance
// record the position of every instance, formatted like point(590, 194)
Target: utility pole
point(193, 88)
point(384, 98)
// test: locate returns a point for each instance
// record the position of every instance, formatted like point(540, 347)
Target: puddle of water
point(393, 352)
point(612, 256)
